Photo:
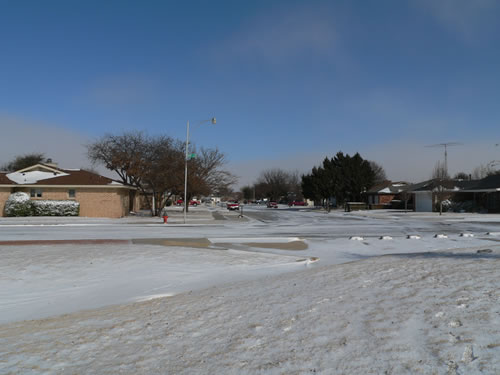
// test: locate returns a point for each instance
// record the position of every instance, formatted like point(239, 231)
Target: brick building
point(385, 192)
point(98, 196)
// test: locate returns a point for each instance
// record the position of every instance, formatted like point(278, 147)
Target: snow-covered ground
point(246, 295)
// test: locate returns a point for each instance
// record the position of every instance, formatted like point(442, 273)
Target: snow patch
point(32, 177)
point(356, 238)
point(468, 355)
point(413, 237)
point(385, 237)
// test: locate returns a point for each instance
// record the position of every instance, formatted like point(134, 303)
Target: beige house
point(98, 196)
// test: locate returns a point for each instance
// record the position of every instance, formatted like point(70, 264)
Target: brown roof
point(73, 177)
point(4, 180)
point(77, 177)
point(393, 187)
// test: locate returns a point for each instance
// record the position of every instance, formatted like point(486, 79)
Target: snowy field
point(284, 291)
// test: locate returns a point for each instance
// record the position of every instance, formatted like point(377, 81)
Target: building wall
point(94, 202)
point(4, 194)
point(494, 202)
point(380, 198)
point(385, 199)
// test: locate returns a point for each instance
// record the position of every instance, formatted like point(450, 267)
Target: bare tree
point(378, 170)
point(483, 171)
point(155, 166)
point(275, 183)
point(208, 174)
point(123, 154)
point(439, 172)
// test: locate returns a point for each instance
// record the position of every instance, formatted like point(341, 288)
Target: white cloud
point(286, 34)
point(465, 18)
point(122, 90)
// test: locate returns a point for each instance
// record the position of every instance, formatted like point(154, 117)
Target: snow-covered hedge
point(19, 204)
point(56, 208)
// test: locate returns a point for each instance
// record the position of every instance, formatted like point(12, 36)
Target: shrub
point(18, 204)
point(55, 208)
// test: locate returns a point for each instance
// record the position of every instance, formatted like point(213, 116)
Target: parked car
point(272, 205)
point(232, 206)
point(192, 202)
point(297, 203)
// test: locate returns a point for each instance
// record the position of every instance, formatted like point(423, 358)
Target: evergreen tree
point(344, 177)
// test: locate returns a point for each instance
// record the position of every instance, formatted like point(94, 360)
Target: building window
point(36, 193)
point(71, 193)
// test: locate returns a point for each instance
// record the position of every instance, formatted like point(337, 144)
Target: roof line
point(39, 165)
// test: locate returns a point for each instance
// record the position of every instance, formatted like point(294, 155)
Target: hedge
point(19, 204)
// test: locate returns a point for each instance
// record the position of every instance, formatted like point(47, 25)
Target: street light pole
point(186, 172)
point(212, 121)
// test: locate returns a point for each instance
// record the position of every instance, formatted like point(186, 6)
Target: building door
point(423, 201)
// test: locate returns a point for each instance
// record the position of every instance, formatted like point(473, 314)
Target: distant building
point(483, 195)
point(385, 192)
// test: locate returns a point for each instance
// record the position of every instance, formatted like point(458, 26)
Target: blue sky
point(290, 82)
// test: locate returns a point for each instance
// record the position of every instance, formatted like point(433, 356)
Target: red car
point(232, 206)
point(272, 205)
point(297, 203)
point(192, 202)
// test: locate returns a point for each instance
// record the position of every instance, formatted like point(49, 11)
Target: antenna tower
point(446, 145)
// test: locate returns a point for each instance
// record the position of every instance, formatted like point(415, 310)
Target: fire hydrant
point(165, 218)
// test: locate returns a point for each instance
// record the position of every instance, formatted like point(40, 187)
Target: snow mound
point(356, 238)
point(413, 237)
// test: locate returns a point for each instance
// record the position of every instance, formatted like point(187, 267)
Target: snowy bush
point(447, 205)
point(56, 208)
point(18, 204)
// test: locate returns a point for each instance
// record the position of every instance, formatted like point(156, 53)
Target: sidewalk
point(196, 216)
